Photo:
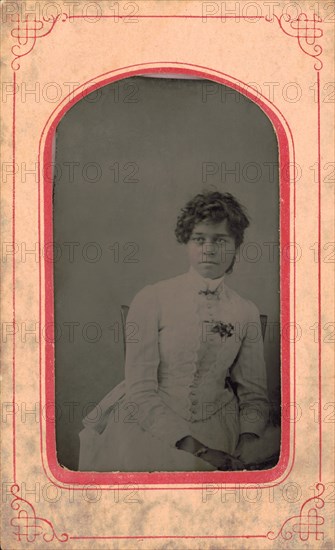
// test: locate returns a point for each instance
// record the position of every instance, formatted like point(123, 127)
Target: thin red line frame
point(155, 479)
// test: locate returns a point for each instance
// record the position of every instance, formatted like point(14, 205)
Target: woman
point(195, 341)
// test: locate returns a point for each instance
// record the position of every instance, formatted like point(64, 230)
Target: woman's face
point(211, 249)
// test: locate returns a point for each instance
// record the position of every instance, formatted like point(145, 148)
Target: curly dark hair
point(213, 207)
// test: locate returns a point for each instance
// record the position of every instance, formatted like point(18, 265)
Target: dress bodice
point(191, 335)
point(194, 356)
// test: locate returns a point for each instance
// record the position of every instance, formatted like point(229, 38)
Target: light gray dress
point(185, 342)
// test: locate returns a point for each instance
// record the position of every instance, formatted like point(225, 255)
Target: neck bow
point(209, 292)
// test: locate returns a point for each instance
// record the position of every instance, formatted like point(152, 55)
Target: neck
point(194, 271)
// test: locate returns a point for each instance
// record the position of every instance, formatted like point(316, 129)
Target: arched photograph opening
point(166, 218)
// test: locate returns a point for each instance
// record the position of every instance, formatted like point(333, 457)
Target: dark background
point(127, 158)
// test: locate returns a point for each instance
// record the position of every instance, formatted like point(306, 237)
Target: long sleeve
point(141, 370)
point(249, 373)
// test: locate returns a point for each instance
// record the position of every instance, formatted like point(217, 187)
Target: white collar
point(204, 283)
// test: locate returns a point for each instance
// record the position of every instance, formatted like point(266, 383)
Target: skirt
point(113, 441)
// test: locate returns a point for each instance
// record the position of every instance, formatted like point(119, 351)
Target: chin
point(210, 271)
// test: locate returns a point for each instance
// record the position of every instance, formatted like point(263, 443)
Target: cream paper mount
point(279, 55)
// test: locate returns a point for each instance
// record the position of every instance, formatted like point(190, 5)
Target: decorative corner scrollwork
point(306, 30)
point(305, 524)
point(27, 32)
point(27, 525)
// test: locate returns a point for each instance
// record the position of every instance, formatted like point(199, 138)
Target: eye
point(199, 240)
point(221, 240)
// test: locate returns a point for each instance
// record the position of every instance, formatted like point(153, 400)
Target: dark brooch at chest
point(223, 329)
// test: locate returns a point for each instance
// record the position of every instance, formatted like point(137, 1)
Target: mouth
point(209, 262)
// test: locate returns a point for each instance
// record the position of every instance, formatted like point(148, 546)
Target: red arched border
point(101, 478)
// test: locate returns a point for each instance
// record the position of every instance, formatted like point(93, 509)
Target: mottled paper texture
point(284, 51)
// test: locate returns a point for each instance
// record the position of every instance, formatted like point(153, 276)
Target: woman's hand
point(218, 459)
point(222, 461)
point(247, 448)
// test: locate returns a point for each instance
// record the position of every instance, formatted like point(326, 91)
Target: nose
point(209, 248)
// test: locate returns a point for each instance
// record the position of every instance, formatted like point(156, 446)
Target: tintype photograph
point(167, 256)
point(166, 279)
